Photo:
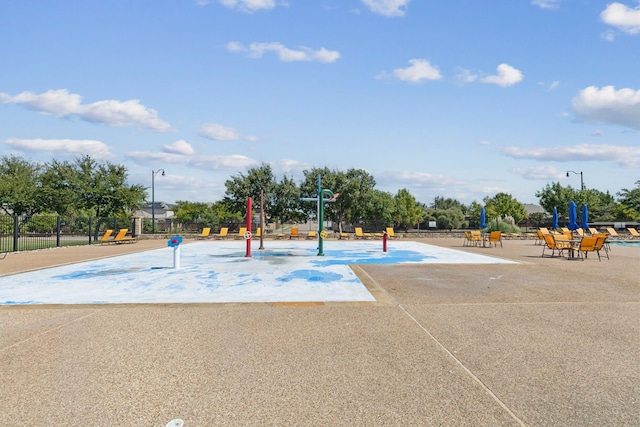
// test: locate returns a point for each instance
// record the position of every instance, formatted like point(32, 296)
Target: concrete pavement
point(544, 342)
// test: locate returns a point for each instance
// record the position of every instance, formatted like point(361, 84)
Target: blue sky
point(460, 99)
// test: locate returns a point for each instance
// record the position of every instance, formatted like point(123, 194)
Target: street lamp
point(581, 181)
point(153, 199)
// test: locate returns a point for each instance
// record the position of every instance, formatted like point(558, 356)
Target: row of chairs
point(119, 238)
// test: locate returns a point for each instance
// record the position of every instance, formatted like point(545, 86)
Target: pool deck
point(546, 341)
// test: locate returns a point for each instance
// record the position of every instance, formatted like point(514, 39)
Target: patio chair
point(295, 233)
point(121, 237)
point(495, 237)
point(587, 244)
point(106, 237)
point(602, 244)
point(361, 235)
point(471, 239)
point(204, 234)
point(540, 234)
point(634, 233)
point(312, 235)
point(223, 234)
point(555, 243)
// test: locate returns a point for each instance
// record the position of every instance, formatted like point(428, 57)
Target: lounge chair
point(555, 243)
point(204, 234)
point(580, 232)
point(312, 235)
point(593, 231)
point(241, 233)
point(361, 235)
point(495, 237)
point(295, 233)
point(634, 233)
point(391, 234)
point(540, 235)
point(344, 236)
point(106, 237)
point(121, 237)
point(223, 234)
point(544, 230)
point(258, 233)
point(613, 233)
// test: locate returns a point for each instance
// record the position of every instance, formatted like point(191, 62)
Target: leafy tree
point(408, 211)
point(382, 206)
point(286, 203)
point(355, 187)
point(103, 190)
point(503, 205)
point(555, 195)
point(240, 187)
point(441, 203)
point(630, 202)
point(19, 186)
point(189, 211)
point(59, 194)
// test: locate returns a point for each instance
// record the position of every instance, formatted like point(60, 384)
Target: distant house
point(160, 210)
point(531, 208)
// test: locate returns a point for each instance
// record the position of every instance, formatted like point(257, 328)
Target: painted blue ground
point(220, 272)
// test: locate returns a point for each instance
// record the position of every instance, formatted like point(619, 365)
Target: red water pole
point(248, 235)
point(384, 242)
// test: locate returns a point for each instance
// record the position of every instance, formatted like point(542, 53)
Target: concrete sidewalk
point(545, 342)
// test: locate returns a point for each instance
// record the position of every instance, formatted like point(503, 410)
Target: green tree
point(242, 186)
point(189, 211)
point(408, 211)
point(286, 201)
point(503, 205)
point(20, 186)
point(103, 190)
point(630, 203)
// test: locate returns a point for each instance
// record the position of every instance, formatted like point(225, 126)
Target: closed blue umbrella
point(573, 216)
point(584, 221)
point(555, 218)
point(483, 218)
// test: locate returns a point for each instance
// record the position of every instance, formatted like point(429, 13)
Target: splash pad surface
point(219, 272)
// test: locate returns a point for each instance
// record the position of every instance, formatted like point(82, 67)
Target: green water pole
point(321, 194)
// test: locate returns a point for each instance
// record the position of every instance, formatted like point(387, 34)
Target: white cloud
point(608, 105)
point(465, 76)
point(622, 17)
point(285, 54)
point(546, 4)
point(63, 147)
point(233, 162)
point(247, 6)
point(507, 76)
point(419, 70)
point(217, 132)
point(389, 8)
point(620, 155)
point(110, 112)
point(539, 172)
point(179, 147)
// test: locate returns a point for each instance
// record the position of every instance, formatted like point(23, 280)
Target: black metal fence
point(25, 233)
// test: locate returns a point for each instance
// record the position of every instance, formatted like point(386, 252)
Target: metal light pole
point(153, 199)
point(581, 180)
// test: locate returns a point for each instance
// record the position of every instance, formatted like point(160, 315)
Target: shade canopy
point(584, 221)
point(573, 216)
point(483, 218)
